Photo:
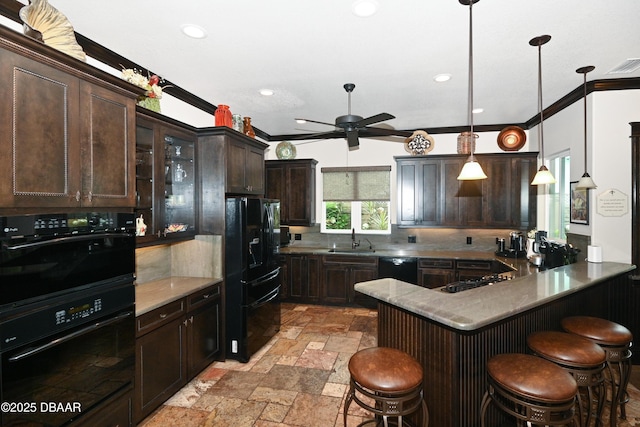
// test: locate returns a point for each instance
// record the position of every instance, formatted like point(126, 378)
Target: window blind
point(356, 183)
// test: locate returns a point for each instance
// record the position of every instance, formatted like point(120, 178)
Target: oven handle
point(34, 350)
point(67, 239)
point(265, 299)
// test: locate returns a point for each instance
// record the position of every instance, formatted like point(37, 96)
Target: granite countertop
point(154, 294)
point(520, 266)
point(476, 308)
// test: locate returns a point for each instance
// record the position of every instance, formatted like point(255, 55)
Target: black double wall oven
point(67, 319)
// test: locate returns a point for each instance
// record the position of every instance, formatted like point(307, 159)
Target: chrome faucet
point(354, 244)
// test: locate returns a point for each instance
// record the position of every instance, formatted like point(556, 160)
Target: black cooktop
point(464, 285)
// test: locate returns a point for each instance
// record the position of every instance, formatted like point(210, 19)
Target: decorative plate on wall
point(286, 150)
point(511, 138)
point(420, 142)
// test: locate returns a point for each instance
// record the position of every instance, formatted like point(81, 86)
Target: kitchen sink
point(351, 251)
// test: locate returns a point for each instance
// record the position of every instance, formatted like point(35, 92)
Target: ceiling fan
point(351, 124)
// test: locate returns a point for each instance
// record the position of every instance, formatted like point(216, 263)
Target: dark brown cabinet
point(68, 142)
point(303, 277)
point(433, 273)
point(341, 273)
point(173, 344)
point(166, 193)
point(429, 193)
point(160, 357)
point(293, 182)
point(245, 165)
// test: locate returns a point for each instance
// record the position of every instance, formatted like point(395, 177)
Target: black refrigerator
point(252, 274)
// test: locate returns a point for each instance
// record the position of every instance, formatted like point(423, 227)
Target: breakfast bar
point(453, 335)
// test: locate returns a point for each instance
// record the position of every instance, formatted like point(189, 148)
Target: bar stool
point(392, 378)
point(584, 360)
point(616, 341)
point(531, 389)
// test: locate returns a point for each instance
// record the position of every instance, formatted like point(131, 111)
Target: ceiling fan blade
point(375, 131)
point(317, 135)
point(374, 119)
point(352, 138)
point(321, 123)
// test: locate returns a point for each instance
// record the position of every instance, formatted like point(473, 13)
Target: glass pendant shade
point(543, 176)
point(586, 182)
point(471, 171)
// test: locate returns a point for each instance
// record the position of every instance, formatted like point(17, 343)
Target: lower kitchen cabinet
point(341, 273)
point(173, 344)
point(303, 275)
point(433, 273)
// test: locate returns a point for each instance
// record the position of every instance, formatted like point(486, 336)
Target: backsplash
point(426, 239)
point(201, 257)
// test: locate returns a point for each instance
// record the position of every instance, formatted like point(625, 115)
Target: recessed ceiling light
point(477, 110)
point(440, 78)
point(194, 31)
point(301, 121)
point(266, 92)
point(365, 8)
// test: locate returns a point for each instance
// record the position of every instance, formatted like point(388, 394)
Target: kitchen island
point(453, 335)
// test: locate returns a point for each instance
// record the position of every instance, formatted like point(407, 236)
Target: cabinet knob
point(78, 196)
point(90, 196)
point(163, 316)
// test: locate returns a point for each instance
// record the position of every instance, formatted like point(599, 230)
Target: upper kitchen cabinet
point(429, 193)
point(293, 182)
point(165, 178)
point(68, 131)
point(229, 163)
point(245, 165)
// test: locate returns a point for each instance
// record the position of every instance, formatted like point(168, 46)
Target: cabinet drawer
point(435, 263)
point(201, 297)
point(473, 265)
point(351, 260)
point(156, 318)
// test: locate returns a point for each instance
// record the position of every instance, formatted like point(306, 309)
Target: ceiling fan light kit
point(586, 182)
point(543, 176)
point(471, 169)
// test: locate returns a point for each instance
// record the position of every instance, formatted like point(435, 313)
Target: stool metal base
point(617, 374)
point(528, 411)
point(387, 404)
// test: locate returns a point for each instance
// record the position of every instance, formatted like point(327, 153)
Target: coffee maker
point(516, 246)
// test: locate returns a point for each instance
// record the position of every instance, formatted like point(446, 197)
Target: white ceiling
point(306, 50)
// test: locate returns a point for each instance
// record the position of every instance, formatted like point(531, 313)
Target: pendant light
point(585, 182)
point(471, 169)
point(543, 176)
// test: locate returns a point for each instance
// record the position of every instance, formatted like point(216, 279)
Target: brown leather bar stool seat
point(616, 342)
point(531, 389)
point(390, 379)
point(584, 360)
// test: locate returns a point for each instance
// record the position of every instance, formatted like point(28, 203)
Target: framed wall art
point(579, 213)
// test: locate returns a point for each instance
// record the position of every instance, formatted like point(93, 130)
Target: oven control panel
point(56, 317)
point(64, 224)
point(78, 312)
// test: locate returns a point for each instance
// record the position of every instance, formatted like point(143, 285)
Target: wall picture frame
point(579, 213)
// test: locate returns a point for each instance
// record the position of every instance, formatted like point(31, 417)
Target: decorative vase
point(248, 129)
point(223, 116)
point(152, 104)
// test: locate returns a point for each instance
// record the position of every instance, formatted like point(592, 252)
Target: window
point(356, 198)
point(559, 197)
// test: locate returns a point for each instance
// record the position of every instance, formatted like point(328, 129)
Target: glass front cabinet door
point(165, 178)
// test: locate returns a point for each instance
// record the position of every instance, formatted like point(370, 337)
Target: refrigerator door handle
point(260, 280)
point(266, 299)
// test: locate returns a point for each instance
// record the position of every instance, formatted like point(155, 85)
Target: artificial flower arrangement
point(151, 99)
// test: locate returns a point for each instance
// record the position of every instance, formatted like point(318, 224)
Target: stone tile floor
point(298, 379)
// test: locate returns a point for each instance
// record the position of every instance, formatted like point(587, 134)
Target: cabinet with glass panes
point(165, 180)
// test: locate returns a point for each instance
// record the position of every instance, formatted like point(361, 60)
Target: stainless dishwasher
point(401, 268)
